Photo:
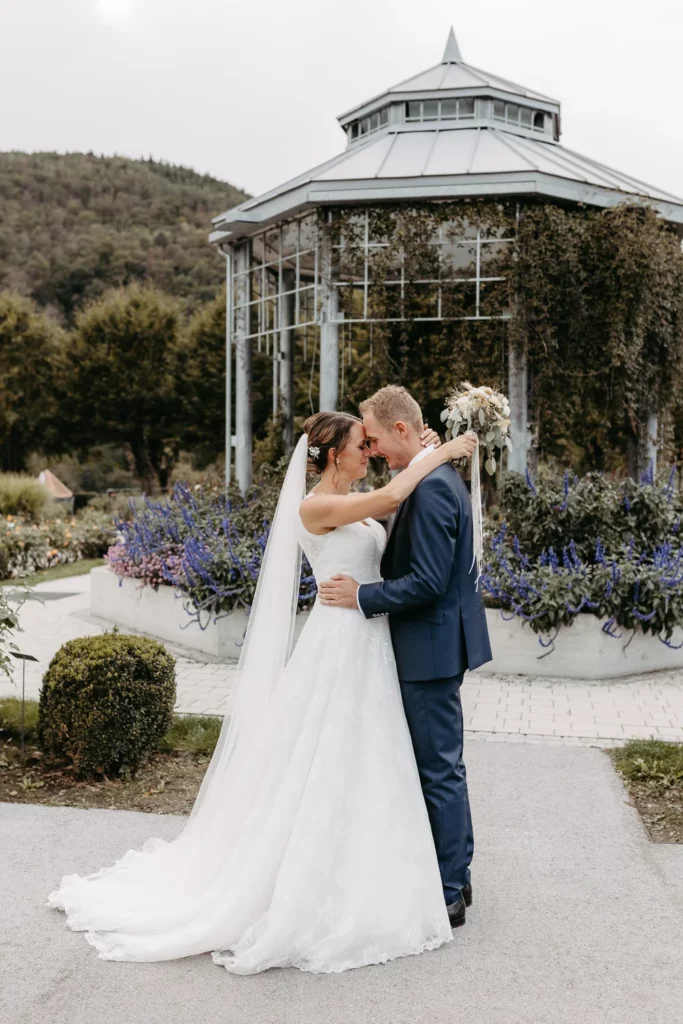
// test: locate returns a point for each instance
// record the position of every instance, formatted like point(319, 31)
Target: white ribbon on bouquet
point(477, 514)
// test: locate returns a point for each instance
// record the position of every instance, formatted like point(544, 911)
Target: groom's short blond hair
point(392, 404)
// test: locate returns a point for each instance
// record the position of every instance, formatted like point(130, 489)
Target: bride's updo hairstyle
point(327, 430)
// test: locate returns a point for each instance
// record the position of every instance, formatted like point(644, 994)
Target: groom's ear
point(401, 429)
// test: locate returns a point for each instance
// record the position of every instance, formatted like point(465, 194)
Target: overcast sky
point(249, 90)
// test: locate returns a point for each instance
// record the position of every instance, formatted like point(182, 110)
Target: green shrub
point(27, 548)
point(555, 513)
point(22, 495)
point(10, 718)
point(591, 546)
point(116, 506)
point(107, 702)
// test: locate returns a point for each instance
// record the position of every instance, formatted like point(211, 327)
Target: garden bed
point(167, 784)
point(159, 612)
point(653, 774)
point(582, 650)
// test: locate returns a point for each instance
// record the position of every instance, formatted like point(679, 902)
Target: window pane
point(430, 110)
point(270, 318)
point(414, 110)
point(354, 130)
point(525, 117)
point(512, 113)
point(466, 107)
point(257, 251)
point(351, 301)
point(290, 237)
point(459, 259)
point(422, 300)
point(494, 298)
point(499, 110)
point(449, 108)
point(392, 301)
point(458, 299)
point(374, 122)
point(539, 120)
point(308, 230)
point(384, 116)
point(494, 259)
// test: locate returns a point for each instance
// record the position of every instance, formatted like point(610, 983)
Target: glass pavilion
point(450, 132)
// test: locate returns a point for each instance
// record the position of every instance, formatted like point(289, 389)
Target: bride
point(309, 843)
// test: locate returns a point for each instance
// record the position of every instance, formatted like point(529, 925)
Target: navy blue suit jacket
point(437, 618)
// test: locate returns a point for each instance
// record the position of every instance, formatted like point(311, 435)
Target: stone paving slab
point(574, 921)
point(506, 707)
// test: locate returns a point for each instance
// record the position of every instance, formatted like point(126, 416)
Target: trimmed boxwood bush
point(106, 702)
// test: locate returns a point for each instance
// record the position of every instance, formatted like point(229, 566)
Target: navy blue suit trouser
point(434, 714)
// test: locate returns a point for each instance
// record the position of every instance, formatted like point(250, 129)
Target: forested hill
point(73, 225)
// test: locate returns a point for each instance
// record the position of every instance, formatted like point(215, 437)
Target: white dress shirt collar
point(421, 455)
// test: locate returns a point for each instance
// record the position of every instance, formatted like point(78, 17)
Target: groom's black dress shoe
point(467, 893)
point(456, 912)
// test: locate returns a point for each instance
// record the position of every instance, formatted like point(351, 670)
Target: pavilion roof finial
point(452, 54)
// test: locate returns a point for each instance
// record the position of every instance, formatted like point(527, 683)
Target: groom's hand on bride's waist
point(339, 591)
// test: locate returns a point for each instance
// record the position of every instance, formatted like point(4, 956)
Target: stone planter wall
point(159, 613)
point(581, 651)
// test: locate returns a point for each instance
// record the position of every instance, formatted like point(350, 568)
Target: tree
point(74, 225)
point(31, 358)
point(200, 384)
point(120, 379)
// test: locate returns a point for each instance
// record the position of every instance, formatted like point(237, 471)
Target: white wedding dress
point(312, 849)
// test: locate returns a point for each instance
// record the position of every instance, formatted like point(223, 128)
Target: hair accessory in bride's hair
point(313, 451)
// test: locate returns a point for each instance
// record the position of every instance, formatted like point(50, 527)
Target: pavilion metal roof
point(447, 160)
point(454, 73)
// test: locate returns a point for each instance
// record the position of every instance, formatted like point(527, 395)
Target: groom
point(438, 626)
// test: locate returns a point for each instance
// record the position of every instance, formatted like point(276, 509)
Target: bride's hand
point(429, 436)
point(461, 447)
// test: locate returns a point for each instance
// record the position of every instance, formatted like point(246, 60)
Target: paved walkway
point(576, 919)
point(496, 707)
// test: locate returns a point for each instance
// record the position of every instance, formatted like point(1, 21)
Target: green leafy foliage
point(22, 495)
point(593, 546)
point(199, 372)
point(121, 379)
point(27, 547)
point(31, 347)
point(107, 702)
point(76, 225)
point(654, 762)
point(9, 624)
point(594, 297)
point(586, 510)
point(10, 718)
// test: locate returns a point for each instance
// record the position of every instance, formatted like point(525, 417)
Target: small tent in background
point(56, 489)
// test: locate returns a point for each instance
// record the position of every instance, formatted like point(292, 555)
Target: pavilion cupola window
point(369, 124)
point(440, 110)
point(524, 117)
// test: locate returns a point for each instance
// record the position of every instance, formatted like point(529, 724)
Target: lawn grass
point(10, 718)
point(653, 773)
point(58, 572)
point(654, 762)
point(197, 734)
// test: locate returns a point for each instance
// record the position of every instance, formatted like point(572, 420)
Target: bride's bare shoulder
point(308, 516)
